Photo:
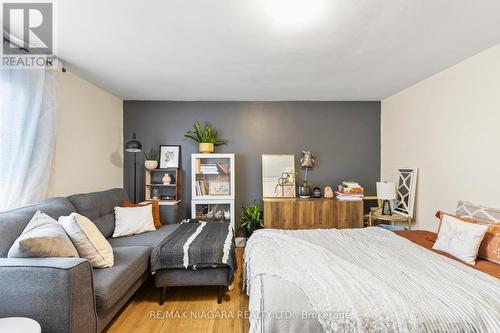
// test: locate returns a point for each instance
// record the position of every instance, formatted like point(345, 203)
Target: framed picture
point(218, 187)
point(169, 156)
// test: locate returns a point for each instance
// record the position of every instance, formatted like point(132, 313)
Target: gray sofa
point(66, 294)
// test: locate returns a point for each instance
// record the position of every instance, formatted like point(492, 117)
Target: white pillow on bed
point(133, 220)
point(460, 239)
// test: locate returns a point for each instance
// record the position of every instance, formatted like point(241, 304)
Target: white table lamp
point(386, 191)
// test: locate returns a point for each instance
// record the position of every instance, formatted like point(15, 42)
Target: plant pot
point(206, 148)
point(151, 164)
point(304, 192)
point(250, 231)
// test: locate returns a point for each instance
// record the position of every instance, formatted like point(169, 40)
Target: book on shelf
point(209, 169)
point(223, 167)
point(344, 194)
point(349, 198)
point(350, 187)
point(200, 188)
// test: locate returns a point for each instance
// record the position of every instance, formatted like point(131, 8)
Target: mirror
point(405, 196)
point(278, 175)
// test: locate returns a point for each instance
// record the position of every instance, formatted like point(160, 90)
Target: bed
point(365, 280)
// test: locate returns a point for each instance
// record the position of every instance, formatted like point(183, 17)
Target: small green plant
point(251, 217)
point(306, 183)
point(204, 135)
point(151, 155)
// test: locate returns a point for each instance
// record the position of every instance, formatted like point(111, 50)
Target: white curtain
point(28, 106)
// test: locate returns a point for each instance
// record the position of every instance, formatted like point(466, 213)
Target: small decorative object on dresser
point(307, 161)
point(328, 192)
point(151, 161)
point(305, 190)
point(206, 137)
point(316, 192)
point(169, 156)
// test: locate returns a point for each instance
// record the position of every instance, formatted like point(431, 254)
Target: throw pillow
point(154, 205)
point(490, 245)
point(88, 240)
point(42, 237)
point(133, 220)
point(460, 239)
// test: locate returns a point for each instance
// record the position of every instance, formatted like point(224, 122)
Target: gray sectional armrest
point(56, 292)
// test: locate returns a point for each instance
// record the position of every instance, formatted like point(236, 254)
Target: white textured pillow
point(42, 237)
point(133, 220)
point(88, 240)
point(460, 239)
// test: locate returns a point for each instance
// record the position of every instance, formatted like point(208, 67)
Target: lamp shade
point(133, 145)
point(386, 191)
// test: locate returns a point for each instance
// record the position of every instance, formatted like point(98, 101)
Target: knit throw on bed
point(376, 281)
point(196, 245)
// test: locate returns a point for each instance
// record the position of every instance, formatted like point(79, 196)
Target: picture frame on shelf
point(169, 156)
point(219, 187)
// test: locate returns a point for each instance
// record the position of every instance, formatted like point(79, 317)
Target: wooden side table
point(376, 214)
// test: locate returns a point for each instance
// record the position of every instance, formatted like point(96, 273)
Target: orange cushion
point(490, 245)
point(154, 205)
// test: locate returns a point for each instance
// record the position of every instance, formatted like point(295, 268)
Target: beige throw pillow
point(88, 240)
point(460, 239)
point(42, 237)
point(133, 220)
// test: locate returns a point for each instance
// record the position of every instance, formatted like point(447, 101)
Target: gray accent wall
point(344, 136)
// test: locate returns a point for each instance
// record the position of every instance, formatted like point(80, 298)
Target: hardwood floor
point(193, 309)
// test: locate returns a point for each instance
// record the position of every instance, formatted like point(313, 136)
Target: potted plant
point(251, 219)
point(151, 162)
point(206, 137)
point(305, 189)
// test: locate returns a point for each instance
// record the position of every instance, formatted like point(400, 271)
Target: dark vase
point(304, 191)
point(253, 227)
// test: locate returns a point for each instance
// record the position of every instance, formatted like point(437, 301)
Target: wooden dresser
point(295, 213)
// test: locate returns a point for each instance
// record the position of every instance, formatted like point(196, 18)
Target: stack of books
point(349, 191)
point(200, 188)
point(209, 169)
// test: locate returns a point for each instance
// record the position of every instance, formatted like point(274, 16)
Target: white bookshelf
point(213, 187)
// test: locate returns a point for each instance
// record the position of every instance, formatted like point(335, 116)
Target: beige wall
point(88, 154)
point(449, 127)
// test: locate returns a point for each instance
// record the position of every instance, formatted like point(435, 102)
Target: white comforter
point(371, 280)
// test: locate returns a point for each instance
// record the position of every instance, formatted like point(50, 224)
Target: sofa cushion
point(99, 207)
point(88, 240)
point(149, 239)
point(13, 222)
point(43, 237)
point(112, 283)
point(133, 221)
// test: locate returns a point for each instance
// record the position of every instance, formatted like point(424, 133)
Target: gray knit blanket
point(196, 245)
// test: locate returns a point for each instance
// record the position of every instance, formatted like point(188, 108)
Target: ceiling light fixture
point(296, 12)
